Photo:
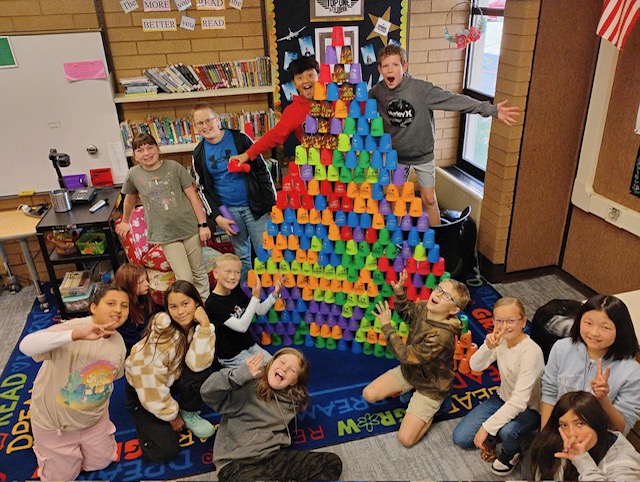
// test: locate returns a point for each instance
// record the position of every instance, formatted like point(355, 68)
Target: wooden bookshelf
point(172, 148)
point(123, 99)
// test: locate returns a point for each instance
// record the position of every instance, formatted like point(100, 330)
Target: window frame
point(462, 163)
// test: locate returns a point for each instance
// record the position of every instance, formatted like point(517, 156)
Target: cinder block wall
point(434, 59)
point(514, 74)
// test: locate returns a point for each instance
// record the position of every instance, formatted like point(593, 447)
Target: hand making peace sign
point(600, 384)
point(572, 447)
point(492, 340)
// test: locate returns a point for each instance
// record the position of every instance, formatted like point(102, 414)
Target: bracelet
point(203, 225)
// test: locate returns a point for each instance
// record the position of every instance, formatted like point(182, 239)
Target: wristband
point(203, 225)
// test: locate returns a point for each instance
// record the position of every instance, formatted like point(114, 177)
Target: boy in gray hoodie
point(406, 105)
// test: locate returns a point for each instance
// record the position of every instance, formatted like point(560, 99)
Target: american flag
point(618, 17)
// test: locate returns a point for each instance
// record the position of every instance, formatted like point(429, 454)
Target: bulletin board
point(303, 27)
point(619, 151)
point(41, 109)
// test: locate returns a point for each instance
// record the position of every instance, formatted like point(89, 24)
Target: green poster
point(6, 54)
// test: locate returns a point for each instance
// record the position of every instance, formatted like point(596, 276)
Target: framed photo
point(323, 39)
point(332, 11)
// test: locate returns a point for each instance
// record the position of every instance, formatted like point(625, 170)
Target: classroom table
point(16, 225)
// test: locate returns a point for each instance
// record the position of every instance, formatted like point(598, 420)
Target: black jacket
point(260, 187)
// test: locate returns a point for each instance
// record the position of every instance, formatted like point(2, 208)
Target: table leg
point(44, 305)
point(14, 287)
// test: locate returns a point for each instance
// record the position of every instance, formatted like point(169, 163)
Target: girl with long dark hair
point(576, 444)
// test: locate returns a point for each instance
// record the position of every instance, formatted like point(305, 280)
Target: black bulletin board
point(288, 21)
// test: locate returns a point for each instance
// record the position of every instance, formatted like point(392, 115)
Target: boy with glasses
point(248, 195)
point(426, 359)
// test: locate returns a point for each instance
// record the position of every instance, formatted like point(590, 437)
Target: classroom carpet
point(337, 412)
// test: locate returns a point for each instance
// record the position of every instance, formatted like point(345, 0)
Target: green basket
point(92, 243)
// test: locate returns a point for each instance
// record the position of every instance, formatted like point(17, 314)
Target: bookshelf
point(171, 148)
point(222, 92)
point(121, 98)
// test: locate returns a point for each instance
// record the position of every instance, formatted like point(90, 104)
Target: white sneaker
point(503, 469)
point(200, 427)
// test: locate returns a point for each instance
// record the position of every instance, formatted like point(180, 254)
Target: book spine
point(203, 76)
point(195, 77)
point(185, 81)
point(221, 74)
point(156, 80)
point(168, 82)
point(172, 77)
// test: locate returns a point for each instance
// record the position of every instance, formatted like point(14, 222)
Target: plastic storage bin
point(92, 243)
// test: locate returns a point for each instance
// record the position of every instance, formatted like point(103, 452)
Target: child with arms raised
point(134, 280)
point(231, 312)
point(514, 410)
point(70, 401)
point(257, 404)
point(172, 209)
point(426, 359)
point(174, 357)
point(576, 444)
point(304, 74)
point(406, 105)
point(598, 357)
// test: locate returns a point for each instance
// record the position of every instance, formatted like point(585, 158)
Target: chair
point(151, 256)
point(456, 237)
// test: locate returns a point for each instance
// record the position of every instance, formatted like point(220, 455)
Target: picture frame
point(322, 11)
point(323, 38)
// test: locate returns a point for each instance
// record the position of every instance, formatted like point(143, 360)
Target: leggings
point(285, 464)
point(158, 441)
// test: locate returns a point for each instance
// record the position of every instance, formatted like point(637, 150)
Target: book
point(159, 81)
point(195, 77)
point(203, 76)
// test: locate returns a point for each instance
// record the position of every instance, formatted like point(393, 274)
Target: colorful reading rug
point(337, 412)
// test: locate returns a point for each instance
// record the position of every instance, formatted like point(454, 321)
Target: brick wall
point(514, 72)
point(434, 59)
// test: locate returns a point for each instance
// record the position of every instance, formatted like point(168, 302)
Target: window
point(480, 83)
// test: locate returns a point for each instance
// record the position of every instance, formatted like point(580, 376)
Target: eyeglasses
point(511, 322)
point(207, 122)
point(444, 295)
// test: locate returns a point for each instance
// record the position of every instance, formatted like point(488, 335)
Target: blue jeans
point(244, 355)
point(250, 233)
point(524, 423)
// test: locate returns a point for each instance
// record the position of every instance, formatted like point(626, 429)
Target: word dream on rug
point(337, 412)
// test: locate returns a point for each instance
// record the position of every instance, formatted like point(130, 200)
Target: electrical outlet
point(614, 214)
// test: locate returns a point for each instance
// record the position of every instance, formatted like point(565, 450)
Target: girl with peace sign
point(598, 357)
point(513, 411)
point(576, 444)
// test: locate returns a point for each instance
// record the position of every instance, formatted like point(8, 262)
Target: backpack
point(553, 321)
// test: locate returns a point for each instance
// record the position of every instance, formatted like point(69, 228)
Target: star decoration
point(383, 21)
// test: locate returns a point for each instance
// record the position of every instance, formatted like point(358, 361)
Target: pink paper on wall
point(85, 70)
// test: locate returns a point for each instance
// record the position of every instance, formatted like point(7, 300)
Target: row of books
point(178, 78)
point(182, 130)
point(138, 86)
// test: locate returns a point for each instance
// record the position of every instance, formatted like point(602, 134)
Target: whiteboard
point(40, 110)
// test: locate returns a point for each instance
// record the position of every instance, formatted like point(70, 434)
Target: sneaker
point(198, 425)
point(504, 468)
